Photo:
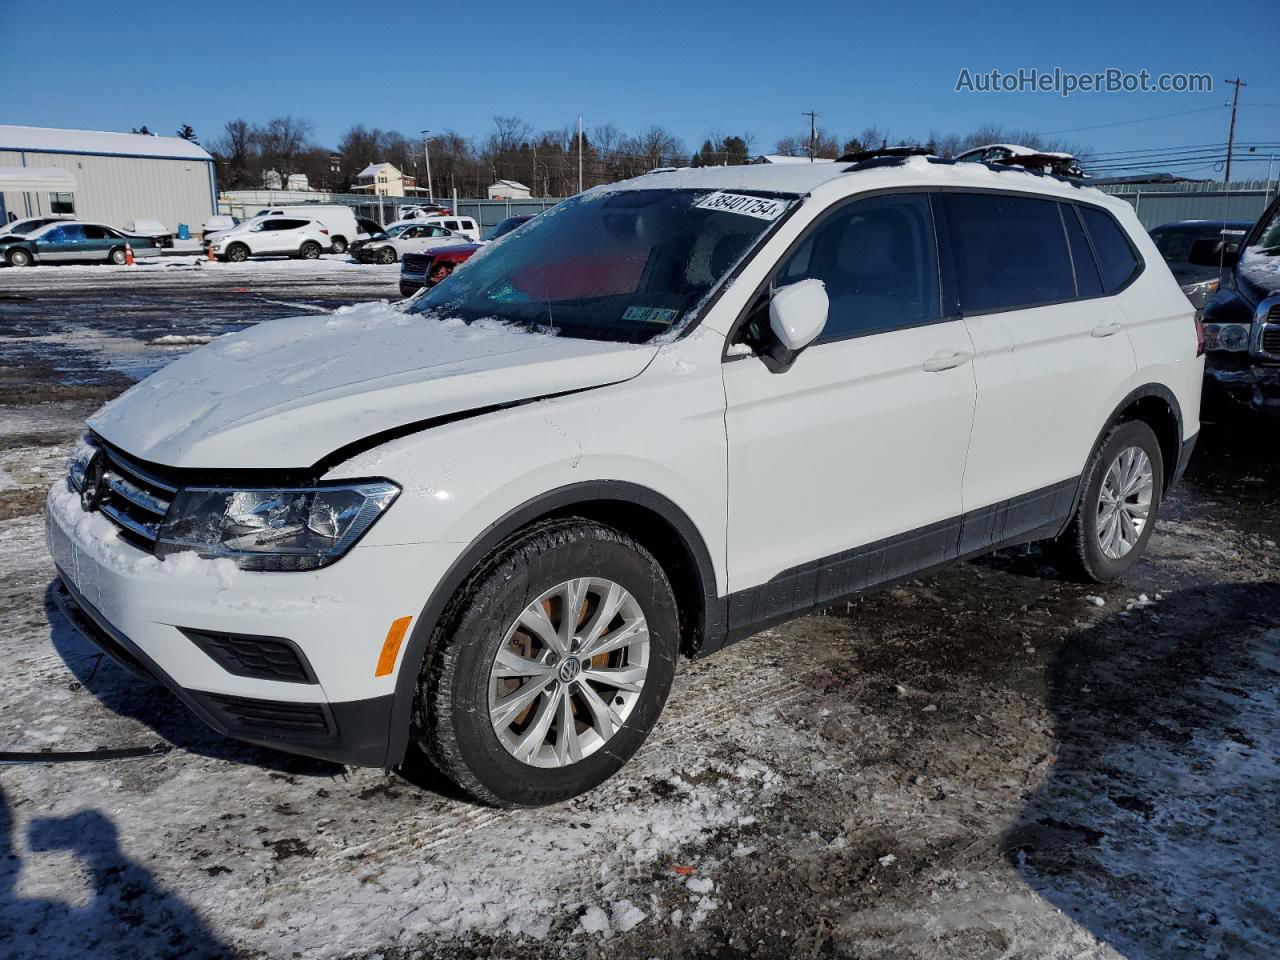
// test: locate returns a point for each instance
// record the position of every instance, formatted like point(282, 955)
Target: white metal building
point(509, 190)
point(111, 178)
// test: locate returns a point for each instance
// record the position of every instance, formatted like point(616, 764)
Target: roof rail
point(899, 152)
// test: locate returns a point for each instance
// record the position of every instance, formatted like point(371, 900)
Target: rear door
point(845, 470)
point(1050, 353)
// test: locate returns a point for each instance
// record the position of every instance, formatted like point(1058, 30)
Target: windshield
point(626, 265)
point(1269, 238)
point(397, 230)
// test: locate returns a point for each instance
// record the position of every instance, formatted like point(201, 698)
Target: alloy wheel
point(1124, 502)
point(569, 672)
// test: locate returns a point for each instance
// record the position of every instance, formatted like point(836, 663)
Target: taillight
point(324, 231)
point(1199, 336)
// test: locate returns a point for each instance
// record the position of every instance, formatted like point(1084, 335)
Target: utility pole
point(813, 134)
point(1231, 137)
point(579, 153)
point(426, 153)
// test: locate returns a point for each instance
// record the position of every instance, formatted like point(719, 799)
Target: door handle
point(1105, 330)
point(936, 364)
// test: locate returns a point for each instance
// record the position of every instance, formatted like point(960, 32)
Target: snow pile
point(99, 538)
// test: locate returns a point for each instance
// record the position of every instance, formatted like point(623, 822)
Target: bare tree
point(281, 141)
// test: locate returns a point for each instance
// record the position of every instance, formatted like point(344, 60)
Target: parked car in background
point(427, 269)
point(218, 223)
point(339, 220)
point(151, 228)
point(366, 229)
point(74, 241)
point(413, 237)
point(1176, 240)
point(270, 236)
point(419, 270)
point(770, 388)
point(1242, 319)
point(30, 224)
point(1014, 154)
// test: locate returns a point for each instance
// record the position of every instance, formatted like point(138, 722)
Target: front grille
point(261, 658)
point(269, 717)
point(1270, 341)
point(1274, 312)
point(130, 496)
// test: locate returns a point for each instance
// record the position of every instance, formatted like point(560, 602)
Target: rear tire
point(19, 258)
point(339, 245)
point(1118, 508)
point(619, 595)
point(237, 253)
point(309, 250)
point(117, 257)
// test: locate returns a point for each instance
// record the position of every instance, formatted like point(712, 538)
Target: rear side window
point(877, 259)
point(1088, 283)
point(1009, 252)
point(1116, 258)
point(95, 233)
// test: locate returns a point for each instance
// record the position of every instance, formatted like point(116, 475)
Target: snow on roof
point(37, 179)
point(509, 183)
point(784, 158)
point(374, 169)
point(804, 178)
point(52, 140)
point(1018, 150)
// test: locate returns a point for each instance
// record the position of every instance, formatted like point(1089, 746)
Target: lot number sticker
point(762, 208)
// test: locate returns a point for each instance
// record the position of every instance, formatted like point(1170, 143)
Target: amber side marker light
point(391, 646)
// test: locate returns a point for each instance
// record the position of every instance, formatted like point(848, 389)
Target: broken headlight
point(1226, 336)
point(276, 528)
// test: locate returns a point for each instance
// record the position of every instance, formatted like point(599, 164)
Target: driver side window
point(878, 260)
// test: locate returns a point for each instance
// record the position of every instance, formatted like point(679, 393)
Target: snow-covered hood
point(286, 393)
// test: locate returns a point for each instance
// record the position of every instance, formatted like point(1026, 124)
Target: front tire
point(550, 667)
point(237, 253)
point(19, 258)
point(1117, 512)
point(387, 255)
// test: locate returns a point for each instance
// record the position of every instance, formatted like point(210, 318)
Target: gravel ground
point(986, 763)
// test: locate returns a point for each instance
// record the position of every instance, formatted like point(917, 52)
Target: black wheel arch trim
point(1171, 473)
point(715, 608)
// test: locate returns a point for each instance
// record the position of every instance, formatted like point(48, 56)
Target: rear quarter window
point(1009, 251)
point(1116, 260)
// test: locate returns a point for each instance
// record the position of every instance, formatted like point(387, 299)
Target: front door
point(846, 469)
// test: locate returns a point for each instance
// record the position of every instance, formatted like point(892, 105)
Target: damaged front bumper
point(1246, 383)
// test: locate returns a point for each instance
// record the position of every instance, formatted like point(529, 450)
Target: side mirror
point(1209, 252)
point(797, 314)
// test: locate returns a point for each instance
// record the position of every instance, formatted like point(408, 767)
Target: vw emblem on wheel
point(569, 670)
point(91, 489)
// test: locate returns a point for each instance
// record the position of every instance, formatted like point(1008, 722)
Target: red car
point(418, 270)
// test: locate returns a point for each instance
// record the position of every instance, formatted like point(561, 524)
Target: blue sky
point(692, 67)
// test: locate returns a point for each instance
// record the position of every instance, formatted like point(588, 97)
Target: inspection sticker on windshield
point(760, 207)
point(649, 315)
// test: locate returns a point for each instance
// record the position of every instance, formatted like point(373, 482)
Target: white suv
point(270, 236)
point(668, 414)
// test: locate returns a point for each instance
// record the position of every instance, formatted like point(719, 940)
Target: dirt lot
point(987, 763)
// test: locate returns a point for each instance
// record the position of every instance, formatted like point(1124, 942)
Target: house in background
point(509, 190)
point(386, 180)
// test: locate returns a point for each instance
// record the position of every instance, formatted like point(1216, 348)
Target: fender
point(1161, 392)
point(555, 501)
